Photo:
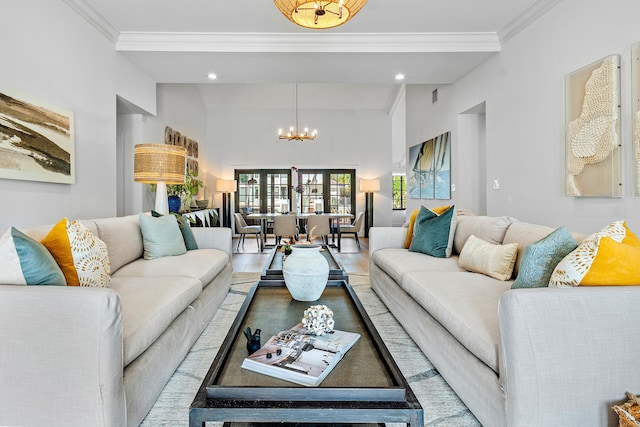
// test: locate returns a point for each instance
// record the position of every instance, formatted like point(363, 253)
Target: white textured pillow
point(495, 261)
point(90, 256)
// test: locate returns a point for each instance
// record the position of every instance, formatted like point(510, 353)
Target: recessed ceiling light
point(399, 76)
point(212, 76)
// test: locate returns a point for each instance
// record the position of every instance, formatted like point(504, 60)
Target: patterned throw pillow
point(433, 233)
point(540, 258)
point(493, 260)
point(609, 257)
point(81, 255)
point(25, 261)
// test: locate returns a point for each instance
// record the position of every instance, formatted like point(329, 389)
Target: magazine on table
point(300, 357)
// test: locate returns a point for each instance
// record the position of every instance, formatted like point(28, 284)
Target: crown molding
point(538, 9)
point(94, 18)
point(313, 43)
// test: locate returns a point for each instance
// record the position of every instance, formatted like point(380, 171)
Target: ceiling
point(249, 41)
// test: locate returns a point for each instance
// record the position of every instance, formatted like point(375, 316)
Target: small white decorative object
point(318, 319)
point(305, 272)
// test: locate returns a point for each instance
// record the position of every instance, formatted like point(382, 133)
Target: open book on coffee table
point(300, 357)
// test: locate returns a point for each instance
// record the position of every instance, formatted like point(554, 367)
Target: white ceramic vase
point(305, 272)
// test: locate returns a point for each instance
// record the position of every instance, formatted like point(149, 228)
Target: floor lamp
point(369, 186)
point(226, 186)
point(159, 164)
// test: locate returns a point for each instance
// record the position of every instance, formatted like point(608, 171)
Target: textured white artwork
point(593, 136)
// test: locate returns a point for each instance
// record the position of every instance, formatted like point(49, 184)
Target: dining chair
point(285, 226)
point(322, 227)
point(243, 229)
point(353, 228)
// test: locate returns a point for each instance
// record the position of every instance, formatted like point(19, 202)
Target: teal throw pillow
point(187, 234)
point(184, 224)
point(540, 258)
point(25, 261)
point(433, 234)
point(161, 236)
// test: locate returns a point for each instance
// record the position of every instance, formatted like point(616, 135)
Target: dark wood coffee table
point(365, 387)
point(273, 267)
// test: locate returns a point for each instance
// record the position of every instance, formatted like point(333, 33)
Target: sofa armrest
point(213, 238)
point(568, 353)
point(386, 237)
point(61, 356)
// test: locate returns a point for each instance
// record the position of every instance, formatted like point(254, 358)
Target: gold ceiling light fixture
point(293, 134)
point(319, 14)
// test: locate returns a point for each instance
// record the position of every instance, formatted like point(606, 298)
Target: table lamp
point(226, 186)
point(369, 186)
point(159, 164)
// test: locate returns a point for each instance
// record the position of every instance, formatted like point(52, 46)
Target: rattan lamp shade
point(159, 162)
point(319, 14)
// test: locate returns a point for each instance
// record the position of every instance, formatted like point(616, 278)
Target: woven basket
point(629, 412)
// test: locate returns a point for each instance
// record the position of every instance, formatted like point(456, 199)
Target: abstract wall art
point(36, 140)
point(430, 175)
point(593, 130)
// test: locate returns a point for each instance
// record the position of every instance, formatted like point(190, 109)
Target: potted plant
point(182, 194)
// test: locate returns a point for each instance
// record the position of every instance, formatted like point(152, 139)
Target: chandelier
point(293, 134)
point(319, 14)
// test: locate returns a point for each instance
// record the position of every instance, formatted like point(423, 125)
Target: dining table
point(334, 219)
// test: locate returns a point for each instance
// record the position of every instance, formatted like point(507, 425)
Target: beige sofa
point(522, 357)
point(75, 356)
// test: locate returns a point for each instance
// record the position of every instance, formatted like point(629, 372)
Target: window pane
point(278, 192)
point(249, 192)
point(399, 193)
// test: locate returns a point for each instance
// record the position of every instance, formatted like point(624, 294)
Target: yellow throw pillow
point(609, 257)
point(57, 242)
point(412, 221)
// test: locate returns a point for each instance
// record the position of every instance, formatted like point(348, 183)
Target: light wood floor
point(250, 259)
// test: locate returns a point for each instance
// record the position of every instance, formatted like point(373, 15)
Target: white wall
point(52, 54)
point(523, 87)
point(360, 140)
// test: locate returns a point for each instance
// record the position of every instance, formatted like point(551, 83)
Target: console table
point(204, 217)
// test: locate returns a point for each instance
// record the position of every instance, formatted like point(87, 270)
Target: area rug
point(441, 405)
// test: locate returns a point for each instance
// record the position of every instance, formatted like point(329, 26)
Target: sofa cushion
point(184, 224)
point(161, 236)
point(25, 261)
point(83, 256)
point(58, 244)
point(487, 258)
point(540, 258)
point(398, 262)
point(489, 228)
point(412, 221)
point(123, 238)
point(464, 303)
point(72, 241)
point(433, 232)
point(201, 264)
point(609, 257)
point(149, 305)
